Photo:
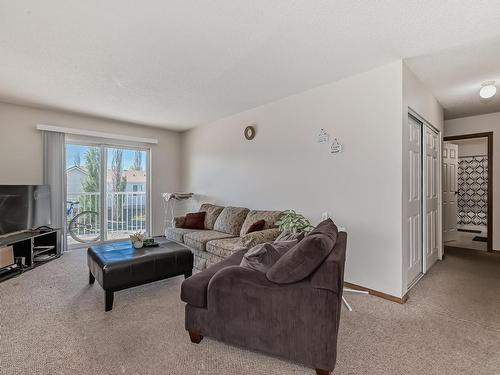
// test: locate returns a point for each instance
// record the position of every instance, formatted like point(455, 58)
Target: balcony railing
point(125, 211)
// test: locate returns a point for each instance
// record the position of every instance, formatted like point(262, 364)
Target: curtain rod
point(92, 133)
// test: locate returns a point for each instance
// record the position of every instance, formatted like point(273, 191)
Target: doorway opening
point(468, 191)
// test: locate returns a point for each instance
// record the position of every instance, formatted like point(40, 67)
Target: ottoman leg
point(109, 300)
point(188, 274)
point(91, 278)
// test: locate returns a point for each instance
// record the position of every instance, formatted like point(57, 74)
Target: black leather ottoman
point(118, 266)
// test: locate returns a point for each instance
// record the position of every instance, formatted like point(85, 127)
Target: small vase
point(138, 244)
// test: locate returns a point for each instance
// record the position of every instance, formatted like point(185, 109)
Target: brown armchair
point(298, 321)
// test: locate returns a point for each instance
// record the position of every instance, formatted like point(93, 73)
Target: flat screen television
point(23, 207)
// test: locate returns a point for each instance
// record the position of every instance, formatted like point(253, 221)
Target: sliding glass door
point(126, 192)
point(107, 192)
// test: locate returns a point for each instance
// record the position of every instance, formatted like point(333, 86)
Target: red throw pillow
point(258, 225)
point(195, 220)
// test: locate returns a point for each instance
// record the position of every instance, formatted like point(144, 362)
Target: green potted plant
point(293, 222)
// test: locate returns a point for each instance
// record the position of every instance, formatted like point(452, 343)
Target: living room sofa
point(225, 233)
point(240, 306)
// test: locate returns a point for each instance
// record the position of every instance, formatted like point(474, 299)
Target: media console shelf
point(31, 248)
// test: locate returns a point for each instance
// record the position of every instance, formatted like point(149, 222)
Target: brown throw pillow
point(301, 260)
point(262, 256)
point(255, 227)
point(195, 220)
point(326, 227)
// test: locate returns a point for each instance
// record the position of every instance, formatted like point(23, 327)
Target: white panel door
point(450, 190)
point(431, 196)
point(414, 213)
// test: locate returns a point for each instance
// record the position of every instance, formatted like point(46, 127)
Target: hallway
point(465, 286)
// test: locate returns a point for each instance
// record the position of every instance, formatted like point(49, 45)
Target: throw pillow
point(326, 227)
point(262, 256)
point(301, 261)
point(258, 225)
point(195, 220)
point(230, 220)
point(213, 213)
point(286, 235)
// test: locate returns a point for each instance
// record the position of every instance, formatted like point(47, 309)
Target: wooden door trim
point(489, 137)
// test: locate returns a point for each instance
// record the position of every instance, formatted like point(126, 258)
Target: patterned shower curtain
point(473, 190)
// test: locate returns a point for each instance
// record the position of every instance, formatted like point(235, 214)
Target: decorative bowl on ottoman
point(137, 240)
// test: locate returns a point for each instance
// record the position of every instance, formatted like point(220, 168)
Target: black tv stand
point(31, 249)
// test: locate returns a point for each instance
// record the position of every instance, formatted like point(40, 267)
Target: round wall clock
point(250, 132)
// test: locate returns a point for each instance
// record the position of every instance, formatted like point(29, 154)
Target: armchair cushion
point(262, 257)
point(326, 227)
point(194, 288)
point(301, 261)
point(230, 220)
point(267, 235)
point(286, 235)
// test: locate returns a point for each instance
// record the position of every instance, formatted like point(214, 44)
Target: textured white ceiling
point(455, 77)
point(183, 63)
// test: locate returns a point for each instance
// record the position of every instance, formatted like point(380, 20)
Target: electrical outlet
point(325, 216)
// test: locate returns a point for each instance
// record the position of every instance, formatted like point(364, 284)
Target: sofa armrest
point(267, 235)
point(330, 274)
point(179, 221)
point(237, 274)
point(194, 288)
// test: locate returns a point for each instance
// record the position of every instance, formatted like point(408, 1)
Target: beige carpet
point(52, 322)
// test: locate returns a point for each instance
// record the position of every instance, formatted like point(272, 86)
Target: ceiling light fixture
point(488, 90)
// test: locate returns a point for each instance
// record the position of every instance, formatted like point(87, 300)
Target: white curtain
point(54, 174)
